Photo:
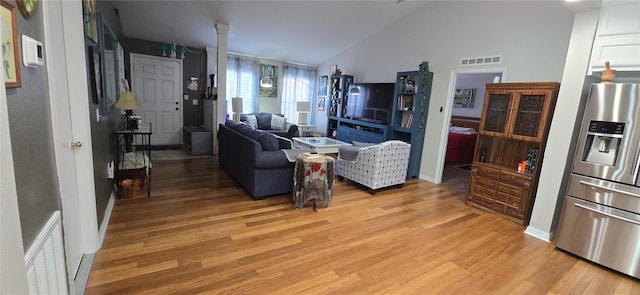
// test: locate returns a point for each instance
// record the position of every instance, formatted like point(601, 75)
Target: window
point(242, 81)
point(298, 84)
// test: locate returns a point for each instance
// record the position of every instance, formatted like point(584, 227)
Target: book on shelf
point(407, 120)
point(408, 102)
point(405, 103)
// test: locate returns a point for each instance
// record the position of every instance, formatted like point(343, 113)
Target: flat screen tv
point(372, 102)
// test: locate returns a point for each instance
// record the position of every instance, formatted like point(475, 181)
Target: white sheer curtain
point(298, 84)
point(243, 81)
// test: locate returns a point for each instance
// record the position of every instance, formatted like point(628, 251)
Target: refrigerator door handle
point(609, 189)
point(594, 210)
point(636, 164)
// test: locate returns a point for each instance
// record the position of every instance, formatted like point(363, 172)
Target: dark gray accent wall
point(194, 64)
point(102, 138)
point(32, 138)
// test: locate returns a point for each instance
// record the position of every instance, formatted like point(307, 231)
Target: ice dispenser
point(602, 142)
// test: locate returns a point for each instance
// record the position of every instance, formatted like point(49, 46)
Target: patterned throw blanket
point(313, 180)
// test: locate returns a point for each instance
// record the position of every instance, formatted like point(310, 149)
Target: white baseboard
point(82, 276)
point(429, 179)
point(102, 232)
point(540, 234)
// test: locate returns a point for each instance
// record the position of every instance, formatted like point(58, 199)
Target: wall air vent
point(485, 60)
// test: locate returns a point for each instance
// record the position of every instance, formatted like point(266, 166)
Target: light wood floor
point(201, 233)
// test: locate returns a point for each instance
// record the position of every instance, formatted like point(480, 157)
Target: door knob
point(176, 102)
point(76, 144)
point(177, 109)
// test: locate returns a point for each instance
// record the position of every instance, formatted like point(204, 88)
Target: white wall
point(531, 36)
point(472, 81)
point(560, 147)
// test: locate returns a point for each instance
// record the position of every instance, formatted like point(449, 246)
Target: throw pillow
point(268, 142)
point(250, 133)
point(278, 123)
point(252, 121)
point(245, 130)
point(264, 121)
point(247, 124)
point(230, 123)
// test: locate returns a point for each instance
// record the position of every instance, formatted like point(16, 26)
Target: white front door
point(68, 91)
point(157, 82)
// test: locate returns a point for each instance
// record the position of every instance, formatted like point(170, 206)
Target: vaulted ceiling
point(301, 31)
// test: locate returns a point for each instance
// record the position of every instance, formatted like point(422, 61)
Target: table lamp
point(303, 108)
point(128, 102)
point(236, 107)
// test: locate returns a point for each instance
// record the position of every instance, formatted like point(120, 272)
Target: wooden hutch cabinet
point(513, 128)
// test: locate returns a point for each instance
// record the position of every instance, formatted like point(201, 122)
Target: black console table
point(132, 155)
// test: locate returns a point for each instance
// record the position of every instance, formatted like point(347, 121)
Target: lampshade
point(236, 105)
point(127, 101)
point(303, 106)
point(354, 91)
point(266, 82)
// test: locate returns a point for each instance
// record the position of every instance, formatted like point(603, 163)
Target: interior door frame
point(69, 94)
point(448, 107)
point(132, 60)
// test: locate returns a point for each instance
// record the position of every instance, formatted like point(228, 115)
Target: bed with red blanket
point(462, 141)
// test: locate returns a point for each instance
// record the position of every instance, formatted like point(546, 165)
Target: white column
point(551, 188)
point(221, 78)
point(209, 107)
point(212, 54)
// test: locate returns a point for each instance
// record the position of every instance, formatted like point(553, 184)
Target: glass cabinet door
point(497, 112)
point(529, 113)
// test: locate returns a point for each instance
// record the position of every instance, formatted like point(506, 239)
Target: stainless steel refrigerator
point(600, 218)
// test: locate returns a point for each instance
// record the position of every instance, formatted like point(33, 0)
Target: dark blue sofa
point(264, 124)
point(254, 159)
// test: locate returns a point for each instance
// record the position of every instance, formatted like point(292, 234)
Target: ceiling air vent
point(485, 60)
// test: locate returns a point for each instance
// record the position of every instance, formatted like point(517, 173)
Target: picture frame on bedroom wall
point(464, 98)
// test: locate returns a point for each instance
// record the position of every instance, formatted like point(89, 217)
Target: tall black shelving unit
point(337, 105)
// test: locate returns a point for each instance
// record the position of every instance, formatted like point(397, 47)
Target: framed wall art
point(96, 74)
point(333, 69)
point(268, 80)
point(321, 102)
point(464, 98)
point(323, 81)
point(10, 62)
point(90, 20)
point(27, 7)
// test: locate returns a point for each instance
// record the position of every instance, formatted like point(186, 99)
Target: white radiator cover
point(45, 263)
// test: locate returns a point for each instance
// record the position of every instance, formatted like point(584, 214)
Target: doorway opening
point(464, 111)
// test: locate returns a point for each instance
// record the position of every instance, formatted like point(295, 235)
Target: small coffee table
point(321, 145)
